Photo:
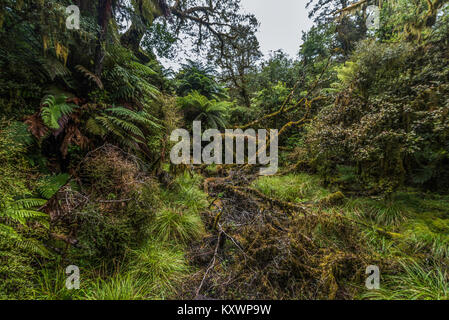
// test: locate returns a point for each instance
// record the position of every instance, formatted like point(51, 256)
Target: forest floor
point(224, 232)
point(288, 237)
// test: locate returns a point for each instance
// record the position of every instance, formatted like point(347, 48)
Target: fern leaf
point(91, 76)
point(52, 184)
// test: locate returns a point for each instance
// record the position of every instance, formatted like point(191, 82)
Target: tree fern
point(199, 108)
point(128, 79)
point(128, 126)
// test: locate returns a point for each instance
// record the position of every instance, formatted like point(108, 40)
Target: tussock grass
point(187, 193)
point(292, 188)
point(415, 283)
point(152, 272)
point(179, 219)
point(51, 285)
point(392, 214)
point(172, 224)
point(119, 287)
point(423, 236)
point(160, 267)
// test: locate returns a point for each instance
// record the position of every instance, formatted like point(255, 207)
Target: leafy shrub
point(378, 125)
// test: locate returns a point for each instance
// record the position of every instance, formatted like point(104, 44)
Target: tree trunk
point(104, 15)
point(131, 39)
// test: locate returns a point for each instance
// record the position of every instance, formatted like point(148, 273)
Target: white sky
point(281, 23)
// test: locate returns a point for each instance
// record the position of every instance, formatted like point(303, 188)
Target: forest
point(87, 185)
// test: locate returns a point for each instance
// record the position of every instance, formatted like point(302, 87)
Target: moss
point(16, 273)
point(335, 198)
point(211, 170)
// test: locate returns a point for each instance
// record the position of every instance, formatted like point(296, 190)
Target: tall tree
point(349, 28)
point(203, 20)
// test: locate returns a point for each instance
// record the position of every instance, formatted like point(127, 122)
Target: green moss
point(333, 199)
point(16, 273)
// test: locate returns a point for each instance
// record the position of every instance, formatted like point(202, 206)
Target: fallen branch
point(211, 265)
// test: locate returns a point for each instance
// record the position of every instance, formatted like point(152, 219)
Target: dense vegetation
point(86, 180)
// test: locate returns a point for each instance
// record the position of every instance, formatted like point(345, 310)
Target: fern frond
point(33, 246)
point(18, 241)
point(91, 76)
point(52, 184)
point(95, 128)
point(21, 215)
point(29, 203)
point(128, 126)
point(53, 108)
point(140, 117)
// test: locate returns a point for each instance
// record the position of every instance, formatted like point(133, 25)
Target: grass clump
point(424, 236)
point(175, 225)
point(160, 267)
point(390, 214)
point(415, 283)
point(120, 287)
point(51, 285)
point(292, 188)
point(186, 193)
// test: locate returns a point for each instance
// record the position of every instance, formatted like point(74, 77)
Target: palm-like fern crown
point(198, 108)
point(127, 79)
point(129, 127)
point(195, 76)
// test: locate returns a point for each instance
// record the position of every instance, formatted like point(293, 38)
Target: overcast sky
point(281, 23)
